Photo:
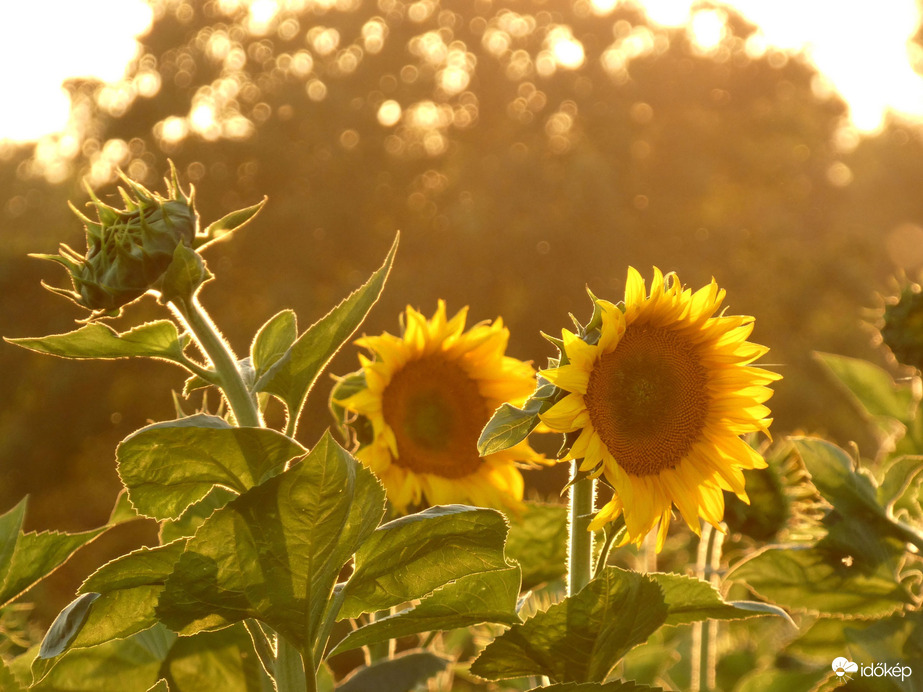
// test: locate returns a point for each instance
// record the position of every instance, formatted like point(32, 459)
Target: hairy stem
point(242, 403)
point(581, 499)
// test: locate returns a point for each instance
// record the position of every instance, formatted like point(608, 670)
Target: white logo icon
point(842, 666)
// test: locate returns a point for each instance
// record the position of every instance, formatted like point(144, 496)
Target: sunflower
point(427, 395)
point(660, 401)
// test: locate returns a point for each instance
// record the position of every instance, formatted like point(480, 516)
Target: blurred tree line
point(526, 150)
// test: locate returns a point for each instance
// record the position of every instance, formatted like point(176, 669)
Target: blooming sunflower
point(427, 395)
point(660, 401)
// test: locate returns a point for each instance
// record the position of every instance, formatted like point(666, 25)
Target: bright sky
point(863, 50)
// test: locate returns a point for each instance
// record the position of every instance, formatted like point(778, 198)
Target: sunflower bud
point(130, 251)
point(903, 328)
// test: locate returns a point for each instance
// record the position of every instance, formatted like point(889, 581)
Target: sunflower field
point(435, 362)
point(409, 540)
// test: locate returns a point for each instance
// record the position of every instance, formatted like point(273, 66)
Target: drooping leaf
point(169, 466)
point(293, 375)
point(509, 425)
point(691, 600)
point(274, 553)
point(27, 558)
point(158, 339)
point(402, 673)
point(272, 341)
point(66, 626)
point(538, 542)
point(814, 580)
point(122, 665)
point(411, 556)
point(469, 600)
point(583, 637)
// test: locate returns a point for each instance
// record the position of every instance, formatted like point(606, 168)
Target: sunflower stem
point(705, 634)
point(193, 315)
point(581, 498)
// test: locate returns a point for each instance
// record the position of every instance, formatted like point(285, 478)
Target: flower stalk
point(581, 500)
point(191, 313)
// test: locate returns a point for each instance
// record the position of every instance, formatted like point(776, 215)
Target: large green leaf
point(469, 600)
point(538, 542)
point(690, 600)
point(583, 637)
point(274, 553)
point(403, 673)
point(194, 516)
point(122, 665)
point(851, 493)
point(409, 557)
point(157, 339)
point(292, 375)
point(8, 681)
point(816, 580)
point(26, 558)
point(169, 466)
point(871, 388)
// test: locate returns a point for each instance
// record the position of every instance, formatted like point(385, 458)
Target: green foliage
point(538, 542)
point(510, 425)
point(403, 673)
point(28, 557)
point(167, 467)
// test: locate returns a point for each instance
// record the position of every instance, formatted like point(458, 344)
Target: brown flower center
point(436, 413)
point(648, 399)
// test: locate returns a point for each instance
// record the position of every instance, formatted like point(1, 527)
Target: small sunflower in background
point(421, 401)
point(658, 393)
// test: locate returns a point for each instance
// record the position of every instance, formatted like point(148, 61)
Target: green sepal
point(226, 225)
point(184, 276)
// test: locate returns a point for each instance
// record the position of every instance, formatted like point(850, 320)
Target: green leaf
point(409, 557)
point(851, 493)
point(273, 340)
point(9, 682)
point(871, 388)
point(169, 466)
point(538, 542)
point(194, 516)
point(27, 558)
point(510, 425)
point(612, 686)
point(815, 580)
point(160, 686)
point(583, 637)
point(122, 665)
point(66, 626)
point(897, 477)
point(223, 227)
point(157, 339)
point(216, 660)
point(274, 553)
point(469, 600)
point(402, 673)
point(691, 600)
point(293, 375)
